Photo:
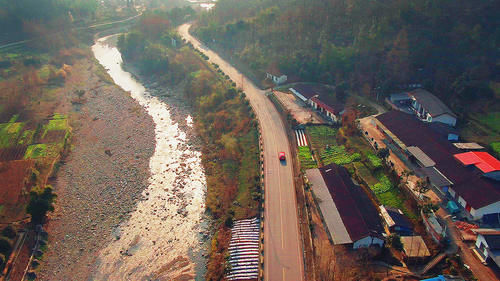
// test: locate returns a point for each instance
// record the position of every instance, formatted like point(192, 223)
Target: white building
point(431, 109)
point(488, 245)
point(276, 78)
point(426, 106)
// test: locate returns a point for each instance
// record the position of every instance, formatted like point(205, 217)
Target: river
point(162, 239)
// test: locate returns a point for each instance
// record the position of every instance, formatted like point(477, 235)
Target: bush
point(9, 232)
point(40, 204)
point(383, 186)
point(394, 241)
point(5, 247)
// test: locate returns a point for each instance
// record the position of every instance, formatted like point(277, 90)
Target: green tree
point(155, 59)
point(398, 58)
point(40, 203)
point(5, 247)
point(394, 241)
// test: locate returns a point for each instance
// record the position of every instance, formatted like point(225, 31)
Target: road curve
point(282, 243)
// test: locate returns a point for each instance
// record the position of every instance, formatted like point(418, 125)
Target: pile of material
point(244, 250)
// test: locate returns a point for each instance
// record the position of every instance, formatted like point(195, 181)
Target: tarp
point(452, 207)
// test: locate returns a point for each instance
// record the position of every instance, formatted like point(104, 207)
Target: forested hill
point(20, 19)
point(451, 47)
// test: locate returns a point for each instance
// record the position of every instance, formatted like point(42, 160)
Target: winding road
point(282, 244)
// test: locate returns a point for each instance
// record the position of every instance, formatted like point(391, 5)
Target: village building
point(488, 245)
point(476, 190)
point(350, 216)
point(274, 74)
point(489, 165)
point(320, 98)
point(426, 106)
point(276, 77)
point(396, 221)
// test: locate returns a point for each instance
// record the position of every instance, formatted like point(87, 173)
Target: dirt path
point(103, 176)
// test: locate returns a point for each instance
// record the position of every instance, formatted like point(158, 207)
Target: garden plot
point(324, 144)
point(244, 250)
point(306, 159)
point(9, 133)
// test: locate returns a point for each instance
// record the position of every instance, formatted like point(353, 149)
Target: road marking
point(284, 274)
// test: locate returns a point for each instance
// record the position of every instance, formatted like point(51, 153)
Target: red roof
point(483, 160)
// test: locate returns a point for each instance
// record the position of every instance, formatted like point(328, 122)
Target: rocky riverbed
point(163, 239)
point(131, 193)
point(102, 178)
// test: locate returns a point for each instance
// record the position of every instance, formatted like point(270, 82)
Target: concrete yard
point(298, 109)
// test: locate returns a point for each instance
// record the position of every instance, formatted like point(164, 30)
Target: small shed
point(396, 221)
point(414, 248)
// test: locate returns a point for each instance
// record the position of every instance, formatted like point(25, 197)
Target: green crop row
point(305, 157)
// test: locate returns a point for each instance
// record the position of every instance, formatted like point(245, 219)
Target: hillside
point(450, 47)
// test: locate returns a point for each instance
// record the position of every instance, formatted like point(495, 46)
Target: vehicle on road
point(281, 156)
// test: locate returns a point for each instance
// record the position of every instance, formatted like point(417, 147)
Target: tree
point(9, 232)
point(383, 153)
point(40, 204)
point(5, 247)
point(423, 185)
point(399, 56)
point(155, 59)
point(394, 241)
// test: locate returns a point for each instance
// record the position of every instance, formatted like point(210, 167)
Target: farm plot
point(9, 133)
point(306, 159)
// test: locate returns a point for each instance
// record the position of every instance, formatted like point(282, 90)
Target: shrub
point(5, 247)
point(40, 204)
point(9, 232)
point(394, 241)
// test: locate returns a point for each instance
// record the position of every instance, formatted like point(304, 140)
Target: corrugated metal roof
point(431, 103)
point(421, 156)
point(477, 190)
point(468, 145)
point(482, 160)
point(436, 177)
point(328, 208)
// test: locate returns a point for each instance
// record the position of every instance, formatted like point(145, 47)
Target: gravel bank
point(102, 178)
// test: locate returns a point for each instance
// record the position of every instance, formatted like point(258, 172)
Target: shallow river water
point(162, 240)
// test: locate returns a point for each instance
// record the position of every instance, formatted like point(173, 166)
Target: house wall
point(445, 118)
point(452, 137)
point(313, 104)
point(368, 241)
point(481, 241)
point(276, 79)
point(281, 79)
point(452, 192)
point(490, 209)
point(493, 175)
point(461, 201)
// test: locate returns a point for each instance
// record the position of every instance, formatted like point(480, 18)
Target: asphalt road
point(282, 244)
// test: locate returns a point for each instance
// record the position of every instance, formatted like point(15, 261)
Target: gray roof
point(431, 103)
point(436, 177)
point(328, 208)
point(421, 156)
point(468, 145)
point(399, 97)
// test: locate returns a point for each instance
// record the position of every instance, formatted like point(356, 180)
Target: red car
point(281, 156)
